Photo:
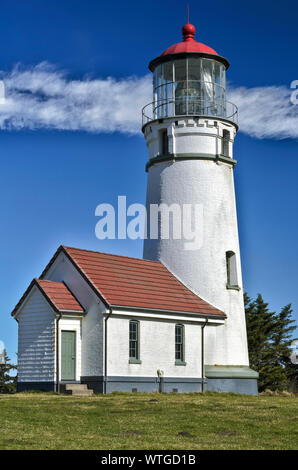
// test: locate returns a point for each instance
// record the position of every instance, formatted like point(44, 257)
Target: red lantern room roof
point(186, 47)
point(188, 44)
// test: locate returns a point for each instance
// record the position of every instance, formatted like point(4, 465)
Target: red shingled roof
point(60, 295)
point(133, 282)
point(57, 294)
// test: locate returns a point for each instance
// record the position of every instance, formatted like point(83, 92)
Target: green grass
point(148, 421)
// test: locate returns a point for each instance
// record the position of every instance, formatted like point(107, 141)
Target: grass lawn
point(148, 421)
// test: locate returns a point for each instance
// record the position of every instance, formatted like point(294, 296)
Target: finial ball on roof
point(188, 31)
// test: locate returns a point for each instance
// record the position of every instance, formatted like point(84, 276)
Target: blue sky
point(52, 179)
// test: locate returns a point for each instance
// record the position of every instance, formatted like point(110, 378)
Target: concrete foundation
point(42, 386)
point(172, 385)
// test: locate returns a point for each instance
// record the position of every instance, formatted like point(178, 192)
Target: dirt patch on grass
point(185, 434)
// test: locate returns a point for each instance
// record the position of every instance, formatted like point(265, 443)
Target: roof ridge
point(111, 254)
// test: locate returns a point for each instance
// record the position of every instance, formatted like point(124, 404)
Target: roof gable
point(56, 293)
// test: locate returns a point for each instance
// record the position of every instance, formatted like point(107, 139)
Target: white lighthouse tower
point(189, 130)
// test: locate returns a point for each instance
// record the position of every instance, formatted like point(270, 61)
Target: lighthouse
point(190, 129)
point(173, 321)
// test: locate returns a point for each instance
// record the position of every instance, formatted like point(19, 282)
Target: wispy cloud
point(266, 112)
point(44, 97)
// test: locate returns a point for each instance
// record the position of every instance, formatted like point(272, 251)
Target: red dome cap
point(189, 44)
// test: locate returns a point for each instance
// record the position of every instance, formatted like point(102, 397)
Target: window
point(134, 342)
point(164, 142)
point(179, 345)
point(189, 86)
point(232, 281)
point(226, 143)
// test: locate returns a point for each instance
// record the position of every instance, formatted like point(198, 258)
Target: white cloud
point(266, 112)
point(44, 97)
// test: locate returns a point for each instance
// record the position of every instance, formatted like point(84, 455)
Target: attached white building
point(175, 320)
point(114, 323)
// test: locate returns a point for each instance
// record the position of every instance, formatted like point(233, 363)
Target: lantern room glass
point(190, 86)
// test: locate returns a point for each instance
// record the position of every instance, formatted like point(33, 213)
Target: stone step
point(75, 387)
point(82, 393)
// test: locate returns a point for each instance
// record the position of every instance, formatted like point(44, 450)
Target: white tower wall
point(196, 172)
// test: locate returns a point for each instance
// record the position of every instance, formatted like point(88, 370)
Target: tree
point(282, 341)
point(8, 382)
point(269, 339)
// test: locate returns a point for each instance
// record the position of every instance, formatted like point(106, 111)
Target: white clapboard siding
point(36, 348)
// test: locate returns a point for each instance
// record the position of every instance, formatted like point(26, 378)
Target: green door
point(68, 355)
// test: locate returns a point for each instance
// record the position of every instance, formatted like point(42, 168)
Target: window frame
point(134, 359)
point(189, 72)
point(231, 258)
point(181, 361)
point(225, 143)
point(163, 142)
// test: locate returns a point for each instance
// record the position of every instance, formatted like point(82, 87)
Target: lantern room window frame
point(189, 73)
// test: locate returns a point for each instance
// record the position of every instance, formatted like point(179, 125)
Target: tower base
point(231, 379)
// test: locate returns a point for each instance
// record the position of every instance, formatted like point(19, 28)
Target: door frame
point(75, 355)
